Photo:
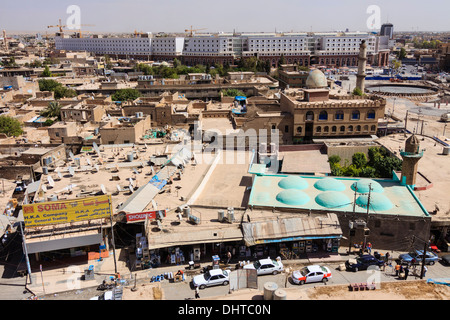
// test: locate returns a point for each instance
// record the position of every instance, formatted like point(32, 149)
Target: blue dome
point(363, 186)
point(292, 197)
point(333, 199)
point(329, 184)
point(293, 182)
point(378, 202)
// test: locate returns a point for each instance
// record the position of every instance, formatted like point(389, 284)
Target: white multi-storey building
point(110, 46)
point(333, 49)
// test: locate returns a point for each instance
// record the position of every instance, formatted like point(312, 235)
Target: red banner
point(140, 216)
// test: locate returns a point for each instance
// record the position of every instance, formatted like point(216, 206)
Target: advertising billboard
point(56, 212)
point(140, 216)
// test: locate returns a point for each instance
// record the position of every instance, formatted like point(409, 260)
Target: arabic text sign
point(140, 216)
point(55, 212)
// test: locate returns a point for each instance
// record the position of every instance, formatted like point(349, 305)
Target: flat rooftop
point(334, 193)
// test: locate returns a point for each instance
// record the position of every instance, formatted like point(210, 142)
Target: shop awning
point(292, 229)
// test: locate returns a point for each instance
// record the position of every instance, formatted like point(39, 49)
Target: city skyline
point(247, 16)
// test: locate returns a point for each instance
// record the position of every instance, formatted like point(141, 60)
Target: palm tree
point(53, 110)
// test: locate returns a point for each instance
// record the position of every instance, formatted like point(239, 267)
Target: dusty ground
point(408, 290)
point(146, 291)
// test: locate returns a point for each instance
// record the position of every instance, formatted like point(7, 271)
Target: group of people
point(400, 270)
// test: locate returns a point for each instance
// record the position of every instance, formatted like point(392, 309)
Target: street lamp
point(445, 125)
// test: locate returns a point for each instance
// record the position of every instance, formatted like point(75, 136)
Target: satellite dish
point(88, 161)
point(44, 188)
point(119, 189)
point(59, 174)
point(153, 170)
point(135, 171)
point(102, 187)
point(71, 155)
point(130, 187)
point(71, 171)
point(97, 167)
point(50, 181)
point(97, 150)
point(131, 181)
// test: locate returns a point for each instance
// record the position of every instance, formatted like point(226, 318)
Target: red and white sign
point(140, 216)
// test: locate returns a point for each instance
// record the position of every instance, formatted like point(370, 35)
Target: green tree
point(401, 54)
point(10, 126)
point(282, 60)
point(46, 73)
point(357, 92)
point(231, 92)
point(176, 63)
point(396, 64)
point(334, 159)
point(359, 159)
point(126, 95)
point(53, 110)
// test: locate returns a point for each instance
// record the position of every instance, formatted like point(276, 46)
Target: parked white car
point(310, 274)
point(266, 266)
point(212, 278)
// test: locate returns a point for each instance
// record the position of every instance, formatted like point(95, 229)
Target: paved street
point(184, 290)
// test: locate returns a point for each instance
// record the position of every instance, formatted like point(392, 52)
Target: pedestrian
point(425, 269)
point(229, 257)
point(387, 257)
point(397, 270)
point(406, 272)
point(197, 295)
point(369, 248)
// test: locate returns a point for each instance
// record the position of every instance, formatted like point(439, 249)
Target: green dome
point(363, 186)
point(329, 184)
point(292, 197)
point(333, 199)
point(378, 202)
point(293, 182)
point(316, 79)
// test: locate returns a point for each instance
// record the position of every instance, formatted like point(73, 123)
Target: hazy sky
point(226, 15)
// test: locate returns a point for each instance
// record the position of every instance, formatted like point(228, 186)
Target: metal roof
point(291, 229)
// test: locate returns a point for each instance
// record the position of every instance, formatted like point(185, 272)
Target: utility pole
point(423, 259)
point(25, 252)
point(367, 218)
point(112, 235)
point(351, 224)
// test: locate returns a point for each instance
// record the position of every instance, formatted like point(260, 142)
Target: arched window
point(366, 128)
point(325, 129)
point(310, 115)
point(333, 129)
point(358, 128)
point(373, 128)
point(355, 115)
point(350, 128)
point(342, 129)
point(371, 114)
point(339, 115)
point(323, 115)
point(319, 129)
point(299, 129)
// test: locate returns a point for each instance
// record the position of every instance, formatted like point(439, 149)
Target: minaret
point(362, 58)
point(411, 156)
point(5, 43)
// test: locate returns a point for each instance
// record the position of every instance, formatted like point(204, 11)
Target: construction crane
point(61, 30)
point(60, 26)
point(193, 30)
